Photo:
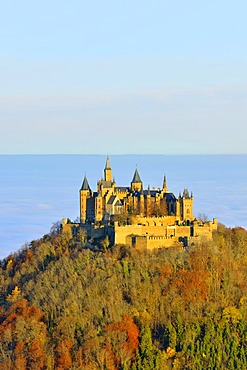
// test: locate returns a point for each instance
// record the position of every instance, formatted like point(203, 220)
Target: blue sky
point(130, 76)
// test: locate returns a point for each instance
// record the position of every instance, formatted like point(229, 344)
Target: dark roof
point(111, 199)
point(122, 189)
point(150, 192)
point(136, 193)
point(170, 197)
point(85, 185)
point(186, 194)
point(136, 177)
point(106, 184)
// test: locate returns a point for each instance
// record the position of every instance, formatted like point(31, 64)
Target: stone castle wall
point(150, 237)
point(162, 232)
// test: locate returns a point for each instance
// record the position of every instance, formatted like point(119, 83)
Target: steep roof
point(170, 197)
point(107, 164)
point(136, 177)
point(111, 199)
point(186, 194)
point(85, 185)
point(106, 184)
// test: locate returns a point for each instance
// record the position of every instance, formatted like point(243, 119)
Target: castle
point(138, 217)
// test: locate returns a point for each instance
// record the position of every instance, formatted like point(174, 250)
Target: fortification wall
point(138, 242)
point(160, 242)
point(150, 242)
point(149, 233)
point(155, 221)
point(181, 231)
point(206, 229)
point(122, 231)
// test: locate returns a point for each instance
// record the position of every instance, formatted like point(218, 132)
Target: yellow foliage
point(243, 301)
point(232, 314)
point(15, 295)
point(135, 312)
point(176, 364)
point(145, 318)
point(170, 352)
point(9, 264)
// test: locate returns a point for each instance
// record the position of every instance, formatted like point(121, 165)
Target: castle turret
point(148, 202)
point(108, 170)
point(141, 203)
point(136, 183)
point(85, 193)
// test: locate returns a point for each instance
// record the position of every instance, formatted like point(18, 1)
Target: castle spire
point(108, 170)
point(148, 190)
point(85, 185)
point(165, 190)
point(107, 164)
point(136, 177)
point(136, 183)
point(85, 193)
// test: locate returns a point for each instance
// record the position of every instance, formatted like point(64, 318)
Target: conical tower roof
point(85, 185)
point(107, 164)
point(164, 184)
point(148, 190)
point(136, 177)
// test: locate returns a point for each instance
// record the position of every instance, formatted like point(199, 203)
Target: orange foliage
point(109, 357)
point(28, 352)
point(129, 344)
point(20, 359)
point(192, 285)
point(63, 360)
point(36, 355)
point(29, 255)
point(165, 271)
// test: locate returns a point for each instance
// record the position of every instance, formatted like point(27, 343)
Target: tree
point(63, 356)
point(123, 340)
point(146, 353)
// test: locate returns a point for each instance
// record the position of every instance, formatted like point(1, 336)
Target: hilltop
point(64, 306)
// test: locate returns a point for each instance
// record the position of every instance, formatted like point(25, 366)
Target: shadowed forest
point(64, 306)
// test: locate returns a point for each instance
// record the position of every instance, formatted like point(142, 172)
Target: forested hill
point(64, 306)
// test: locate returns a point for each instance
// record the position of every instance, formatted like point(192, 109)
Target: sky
point(123, 76)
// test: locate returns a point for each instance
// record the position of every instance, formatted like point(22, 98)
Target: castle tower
point(136, 183)
point(186, 206)
point(108, 170)
point(98, 208)
point(85, 193)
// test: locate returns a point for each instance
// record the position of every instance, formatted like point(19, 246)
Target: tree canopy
point(63, 306)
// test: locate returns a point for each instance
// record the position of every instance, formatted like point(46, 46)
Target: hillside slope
point(67, 307)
